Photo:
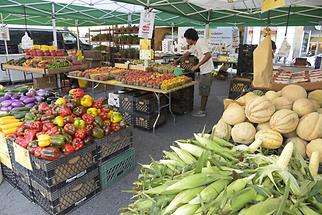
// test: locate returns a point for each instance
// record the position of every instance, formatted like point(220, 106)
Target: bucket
point(82, 83)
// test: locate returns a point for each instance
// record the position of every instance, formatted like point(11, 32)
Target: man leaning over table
point(200, 49)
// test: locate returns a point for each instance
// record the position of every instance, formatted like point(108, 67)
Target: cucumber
point(20, 115)
point(17, 110)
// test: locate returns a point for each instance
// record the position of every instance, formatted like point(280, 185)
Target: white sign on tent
point(146, 24)
point(4, 33)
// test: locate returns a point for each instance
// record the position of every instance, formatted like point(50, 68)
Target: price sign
point(4, 152)
point(146, 54)
point(22, 156)
point(146, 24)
point(4, 33)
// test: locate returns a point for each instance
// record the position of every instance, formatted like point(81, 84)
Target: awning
point(238, 12)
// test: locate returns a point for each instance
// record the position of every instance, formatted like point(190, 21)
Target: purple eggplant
point(29, 100)
point(30, 105)
point(4, 98)
point(31, 93)
point(4, 108)
point(8, 94)
point(38, 98)
point(9, 108)
point(15, 97)
point(41, 92)
point(6, 103)
point(23, 98)
point(17, 104)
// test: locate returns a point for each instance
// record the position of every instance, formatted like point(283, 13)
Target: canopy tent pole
point(318, 41)
point(53, 18)
point(77, 30)
point(207, 26)
point(5, 41)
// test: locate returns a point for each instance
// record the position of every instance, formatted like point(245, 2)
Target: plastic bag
point(284, 51)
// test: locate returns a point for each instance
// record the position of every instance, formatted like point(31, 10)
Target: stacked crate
point(61, 185)
point(115, 155)
point(146, 111)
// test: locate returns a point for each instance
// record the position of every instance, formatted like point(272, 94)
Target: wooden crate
point(121, 65)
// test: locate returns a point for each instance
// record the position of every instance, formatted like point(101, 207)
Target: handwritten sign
point(146, 24)
point(22, 156)
point(4, 152)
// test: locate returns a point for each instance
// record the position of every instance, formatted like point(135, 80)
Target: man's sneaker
point(199, 114)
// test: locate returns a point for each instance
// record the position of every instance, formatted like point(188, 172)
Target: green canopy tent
point(236, 12)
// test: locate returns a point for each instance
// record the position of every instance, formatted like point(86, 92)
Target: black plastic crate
point(9, 175)
point(181, 106)
point(185, 94)
point(148, 103)
point(146, 121)
point(127, 115)
point(24, 186)
point(64, 170)
point(113, 143)
point(238, 86)
point(68, 197)
point(126, 98)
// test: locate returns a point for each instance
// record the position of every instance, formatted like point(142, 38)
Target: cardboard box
point(45, 82)
point(309, 86)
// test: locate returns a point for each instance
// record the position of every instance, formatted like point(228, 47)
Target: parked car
point(65, 39)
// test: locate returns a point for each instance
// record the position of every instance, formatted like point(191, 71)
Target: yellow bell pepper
point(60, 101)
point(59, 120)
point(116, 117)
point(109, 114)
point(43, 140)
point(87, 101)
point(92, 111)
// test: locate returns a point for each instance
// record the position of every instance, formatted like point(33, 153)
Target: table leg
point(93, 89)
point(170, 109)
point(58, 81)
point(159, 111)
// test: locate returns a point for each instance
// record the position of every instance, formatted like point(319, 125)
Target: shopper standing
point(200, 49)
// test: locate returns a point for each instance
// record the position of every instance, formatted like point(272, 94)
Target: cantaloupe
point(270, 95)
point(263, 126)
point(310, 126)
point(234, 114)
point(270, 139)
point(317, 96)
point(314, 145)
point(282, 103)
point(315, 104)
point(294, 92)
point(259, 110)
point(284, 121)
point(222, 130)
point(243, 133)
point(303, 106)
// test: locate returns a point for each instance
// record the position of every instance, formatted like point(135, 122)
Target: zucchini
point(5, 114)
point(20, 115)
point(21, 109)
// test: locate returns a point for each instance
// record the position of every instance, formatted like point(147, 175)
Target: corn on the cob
point(240, 199)
point(269, 206)
point(192, 149)
point(173, 156)
point(308, 211)
point(285, 156)
point(210, 192)
point(192, 181)
point(184, 155)
point(183, 198)
point(160, 189)
point(314, 163)
point(186, 210)
point(255, 145)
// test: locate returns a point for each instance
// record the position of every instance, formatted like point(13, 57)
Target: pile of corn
point(208, 175)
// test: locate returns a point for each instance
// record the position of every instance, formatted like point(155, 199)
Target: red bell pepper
point(103, 114)
point(77, 144)
point(89, 129)
point(87, 140)
point(98, 103)
point(21, 130)
point(77, 93)
point(37, 126)
point(68, 149)
point(30, 136)
point(47, 126)
point(79, 111)
point(115, 126)
point(70, 128)
point(37, 152)
point(21, 141)
point(68, 119)
point(43, 107)
point(65, 111)
point(53, 131)
point(50, 153)
point(88, 119)
point(32, 147)
point(80, 133)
